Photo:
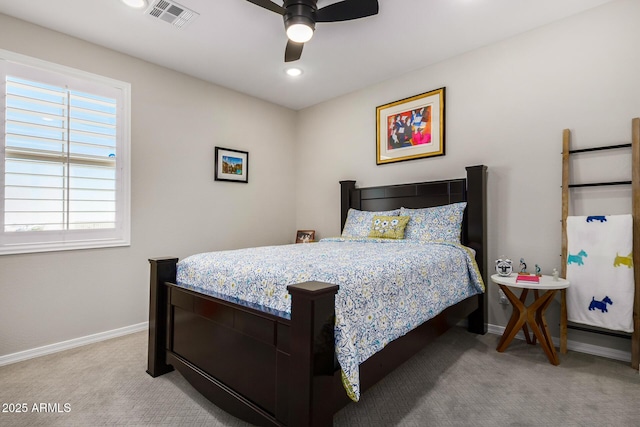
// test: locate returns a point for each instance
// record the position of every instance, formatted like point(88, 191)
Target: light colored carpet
point(460, 380)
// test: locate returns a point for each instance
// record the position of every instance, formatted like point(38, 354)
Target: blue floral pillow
point(440, 223)
point(358, 223)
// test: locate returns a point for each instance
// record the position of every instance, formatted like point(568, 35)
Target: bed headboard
point(472, 189)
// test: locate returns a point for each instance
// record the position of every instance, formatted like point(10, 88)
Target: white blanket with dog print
point(600, 269)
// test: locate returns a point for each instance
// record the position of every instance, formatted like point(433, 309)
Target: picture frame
point(411, 128)
point(231, 165)
point(305, 236)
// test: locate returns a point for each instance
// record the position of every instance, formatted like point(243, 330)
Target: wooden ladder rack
point(635, 208)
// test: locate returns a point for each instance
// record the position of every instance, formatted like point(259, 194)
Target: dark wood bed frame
point(269, 370)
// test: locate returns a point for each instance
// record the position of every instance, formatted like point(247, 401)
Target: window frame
point(18, 242)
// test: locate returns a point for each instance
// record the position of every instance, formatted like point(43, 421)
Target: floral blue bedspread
point(387, 287)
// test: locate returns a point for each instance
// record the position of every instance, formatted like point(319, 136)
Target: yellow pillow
point(388, 227)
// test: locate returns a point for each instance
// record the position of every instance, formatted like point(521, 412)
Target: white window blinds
point(65, 149)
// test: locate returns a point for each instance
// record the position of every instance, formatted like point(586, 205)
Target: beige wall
point(177, 207)
point(506, 107)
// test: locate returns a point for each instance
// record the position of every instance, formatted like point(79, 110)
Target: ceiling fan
point(300, 17)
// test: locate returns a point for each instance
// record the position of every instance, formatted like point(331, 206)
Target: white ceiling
point(239, 45)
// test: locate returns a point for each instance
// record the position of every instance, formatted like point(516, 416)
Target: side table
point(531, 316)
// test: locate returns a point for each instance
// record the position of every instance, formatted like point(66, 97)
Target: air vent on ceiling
point(172, 12)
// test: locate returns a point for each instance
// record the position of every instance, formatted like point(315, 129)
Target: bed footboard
point(245, 361)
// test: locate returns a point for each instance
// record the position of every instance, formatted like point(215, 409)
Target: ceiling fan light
point(299, 33)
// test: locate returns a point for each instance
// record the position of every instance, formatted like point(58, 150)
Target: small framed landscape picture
point(231, 165)
point(305, 236)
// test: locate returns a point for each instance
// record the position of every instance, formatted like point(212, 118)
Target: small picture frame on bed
point(231, 165)
point(305, 236)
point(411, 128)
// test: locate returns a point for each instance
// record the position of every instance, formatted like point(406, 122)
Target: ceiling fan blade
point(267, 4)
point(293, 51)
point(347, 10)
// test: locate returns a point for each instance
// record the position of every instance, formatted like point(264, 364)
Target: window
point(65, 175)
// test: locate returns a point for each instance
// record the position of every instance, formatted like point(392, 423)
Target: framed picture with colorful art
point(411, 128)
point(231, 165)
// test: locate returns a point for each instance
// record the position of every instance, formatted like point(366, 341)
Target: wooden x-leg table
point(531, 316)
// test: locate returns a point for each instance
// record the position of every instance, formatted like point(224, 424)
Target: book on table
point(527, 278)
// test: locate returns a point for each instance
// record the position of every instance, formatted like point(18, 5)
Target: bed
point(270, 368)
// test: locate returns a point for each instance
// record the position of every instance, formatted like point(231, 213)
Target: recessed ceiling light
point(136, 4)
point(293, 71)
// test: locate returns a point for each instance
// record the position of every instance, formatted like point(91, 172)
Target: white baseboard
point(595, 350)
point(66, 345)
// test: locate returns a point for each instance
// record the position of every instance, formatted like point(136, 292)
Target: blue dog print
point(577, 259)
point(600, 218)
point(600, 305)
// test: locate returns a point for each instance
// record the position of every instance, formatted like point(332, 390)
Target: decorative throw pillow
point(358, 222)
point(440, 223)
point(388, 227)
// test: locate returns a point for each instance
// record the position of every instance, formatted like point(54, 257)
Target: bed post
point(345, 200)
point(312, 354)
point(477, 232)
point(162, 270)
